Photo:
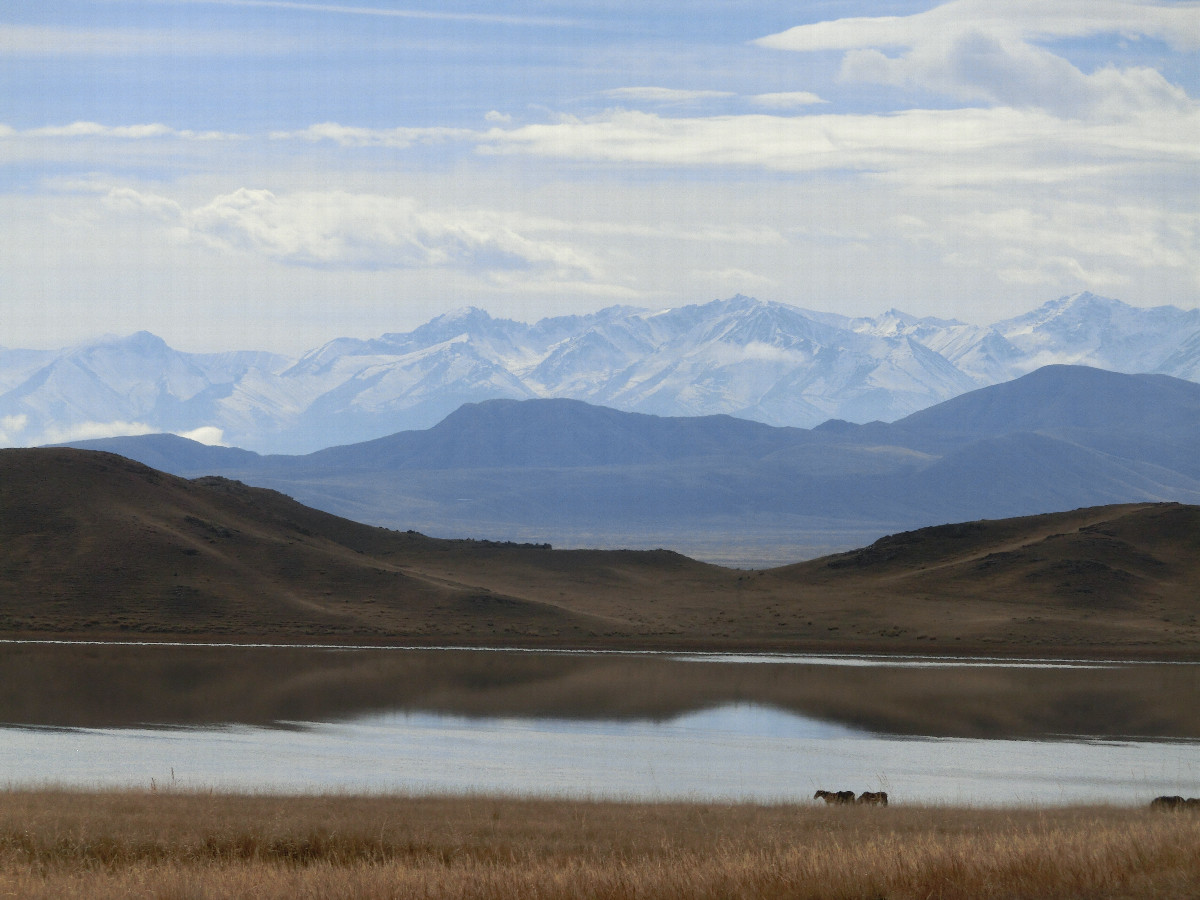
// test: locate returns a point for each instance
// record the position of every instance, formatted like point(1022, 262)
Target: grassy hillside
point(94, 544)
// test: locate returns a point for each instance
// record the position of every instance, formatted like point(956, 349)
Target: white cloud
point(206, 434)
point(706, 233)
point(10, 428)
point(497, 117)
point(393, 138)
point(127, 200)
point(1178, 24)
point(335, 228)
point(390, 12)
point(981, 50)
point(732, 280)
point(979, 66)
point(1044, 244)
point(664, 95)
point(121, 132)
point(946, 147)
point(786, 99)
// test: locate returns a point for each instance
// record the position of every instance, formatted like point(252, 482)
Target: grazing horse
point(832, 798)
point(1173, 802)
point(874, 798)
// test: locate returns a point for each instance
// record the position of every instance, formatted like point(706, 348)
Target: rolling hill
point(734, 491)
point(93, 544)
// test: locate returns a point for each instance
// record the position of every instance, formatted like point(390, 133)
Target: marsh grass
point(187, 846)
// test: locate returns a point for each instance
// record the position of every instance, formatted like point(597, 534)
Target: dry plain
point(179, 845)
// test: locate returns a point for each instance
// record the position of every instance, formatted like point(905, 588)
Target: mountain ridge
point(726, 489)
point(754, 359)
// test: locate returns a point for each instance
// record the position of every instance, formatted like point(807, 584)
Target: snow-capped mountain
point(118, 385)
point(754, 359)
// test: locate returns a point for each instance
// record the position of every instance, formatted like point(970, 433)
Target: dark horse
point(874, 798)
point(831, 798)
point(1174, 802)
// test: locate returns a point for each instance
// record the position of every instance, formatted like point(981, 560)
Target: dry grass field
point(186, 846)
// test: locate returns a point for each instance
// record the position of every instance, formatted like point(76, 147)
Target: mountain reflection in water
point(125, 686)
point(736, 752)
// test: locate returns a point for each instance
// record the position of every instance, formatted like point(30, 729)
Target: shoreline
point(1062, 653)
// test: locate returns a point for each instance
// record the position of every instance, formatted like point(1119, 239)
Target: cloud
point(205, 434)
point(978, 50)
point(127, 200)
point(497, 117)
point(1036, 20)
point(664, 95)
point(10, 427)
point(1039, 245)
point(786, 99)
point(947, 147)
point(393, 138)
point(979, 66)
point(120, 132)
point(393, 13)
point(340, 229)
point(736, 278)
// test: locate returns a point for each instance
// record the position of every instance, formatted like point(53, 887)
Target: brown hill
point(92, 544)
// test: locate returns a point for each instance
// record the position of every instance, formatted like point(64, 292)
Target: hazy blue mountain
point(569, 472)
point(1064, 400)
point(558, 434)
point(753, 359)
point(173, 454)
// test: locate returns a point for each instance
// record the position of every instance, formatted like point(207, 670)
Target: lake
point(626, 725)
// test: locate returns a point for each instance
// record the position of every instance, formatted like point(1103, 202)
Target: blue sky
point(253, 173)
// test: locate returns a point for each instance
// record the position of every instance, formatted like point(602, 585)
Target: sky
point(272, 174)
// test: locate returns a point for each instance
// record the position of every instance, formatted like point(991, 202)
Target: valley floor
point(170, 844)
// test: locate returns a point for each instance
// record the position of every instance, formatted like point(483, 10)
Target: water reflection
point(640, 725)
point(746, 752)
point(130, 685)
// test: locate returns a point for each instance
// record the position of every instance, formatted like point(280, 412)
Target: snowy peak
point(756, 359)
point(1085, 329)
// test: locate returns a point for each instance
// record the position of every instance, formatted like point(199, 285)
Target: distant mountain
point(556, 433)
point(129, 385)
point(757, 360)
point(95, 545)
point(722, 488)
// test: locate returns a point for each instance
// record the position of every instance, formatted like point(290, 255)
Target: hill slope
point(94, 544)
point(570, 473)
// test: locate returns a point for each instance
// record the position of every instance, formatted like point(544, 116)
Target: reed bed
point(187, 846)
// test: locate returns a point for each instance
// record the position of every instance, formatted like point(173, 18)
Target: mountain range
point(757, 360)
point(735, 491)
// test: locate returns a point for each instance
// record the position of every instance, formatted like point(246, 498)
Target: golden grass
point(195, 845)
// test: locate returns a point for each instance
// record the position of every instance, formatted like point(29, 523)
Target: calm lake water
point(640, 726)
